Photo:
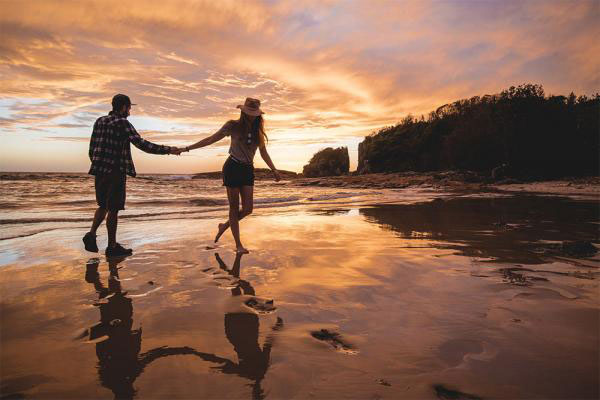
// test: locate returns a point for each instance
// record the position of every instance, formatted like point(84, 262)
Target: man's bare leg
point(89, 239)
point(98, 218)
point(111, 227)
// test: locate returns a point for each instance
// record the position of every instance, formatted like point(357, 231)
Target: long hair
point(256, 129)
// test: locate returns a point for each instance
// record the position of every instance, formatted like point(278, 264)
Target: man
point(110, 154)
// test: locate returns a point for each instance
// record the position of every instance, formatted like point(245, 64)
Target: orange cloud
point(327, 72)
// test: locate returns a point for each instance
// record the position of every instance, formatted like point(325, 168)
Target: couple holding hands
point(110, 155)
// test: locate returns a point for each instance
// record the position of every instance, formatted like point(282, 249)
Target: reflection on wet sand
point(478, 322)
point(242, 330)
point(118, 345)
point(510, 230)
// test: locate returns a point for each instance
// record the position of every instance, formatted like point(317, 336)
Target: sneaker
point(118, 251)
point(89, 242)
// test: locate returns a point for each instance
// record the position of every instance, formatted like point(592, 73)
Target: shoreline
point(456, 181)
point(452, 181)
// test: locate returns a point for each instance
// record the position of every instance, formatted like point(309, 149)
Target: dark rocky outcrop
point(328, 162)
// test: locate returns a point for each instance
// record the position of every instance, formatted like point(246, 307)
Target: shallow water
point(447, 298)
point(33, 203)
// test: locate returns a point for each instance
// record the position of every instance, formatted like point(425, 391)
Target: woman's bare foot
point(241, 250)
point(222, 229)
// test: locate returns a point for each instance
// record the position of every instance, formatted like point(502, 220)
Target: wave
point(166, 203)
point(270, 200)
point(200, 201)
point(260, 203)
point(181, 177)
point(176, 177)
point(42, 220)
point(27, 234)
point(5, 205)
point(333, 196)
point(37, 176)
point(88, 219)
point(32, 176)
point(75, 203)
point(208, 202)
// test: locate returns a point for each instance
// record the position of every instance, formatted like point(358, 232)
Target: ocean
point(33, 203)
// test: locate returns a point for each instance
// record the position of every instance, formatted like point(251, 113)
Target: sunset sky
point(328, 72)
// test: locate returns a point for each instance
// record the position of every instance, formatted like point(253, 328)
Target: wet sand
point(454, 298)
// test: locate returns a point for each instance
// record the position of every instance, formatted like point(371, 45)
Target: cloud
point(68, 138)
point(324, 70)
point(175, 57)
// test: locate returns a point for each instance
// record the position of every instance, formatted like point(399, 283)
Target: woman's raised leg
point(233, 195)
point(247, 194)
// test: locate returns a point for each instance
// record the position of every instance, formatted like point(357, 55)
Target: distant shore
point(259, 174)
point(447, 180)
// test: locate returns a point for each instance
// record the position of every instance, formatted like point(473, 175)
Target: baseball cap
point(120, 100)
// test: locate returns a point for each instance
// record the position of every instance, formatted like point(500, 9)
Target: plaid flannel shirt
point(110, 145)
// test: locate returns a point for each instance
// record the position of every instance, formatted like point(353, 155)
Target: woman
point(247, 134)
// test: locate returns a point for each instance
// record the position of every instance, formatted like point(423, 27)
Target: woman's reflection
point(242, 331)
point(118, 345)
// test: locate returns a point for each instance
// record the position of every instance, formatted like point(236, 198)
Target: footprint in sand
point(144, 290)
point(457, 352)
point(185, 266)
point(215, 276)
point(249, 304)
point(261, 305)
point(444, 393)
point(335, 340)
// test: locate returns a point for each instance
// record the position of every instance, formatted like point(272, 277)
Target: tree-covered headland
point(523, 131)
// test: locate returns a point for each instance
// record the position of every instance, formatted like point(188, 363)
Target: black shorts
point(110, 191)
point(237, 174)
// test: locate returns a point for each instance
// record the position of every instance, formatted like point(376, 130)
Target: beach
point(416, 292)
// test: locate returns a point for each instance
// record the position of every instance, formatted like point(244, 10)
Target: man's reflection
point(118, 344)
point(242, 331)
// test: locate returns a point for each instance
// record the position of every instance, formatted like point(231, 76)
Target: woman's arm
point(265, 156)
point(206, 141)
point(215, 137)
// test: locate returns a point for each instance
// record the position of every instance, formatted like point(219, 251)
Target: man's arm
point(91, 149)
point(146, 145)
point(265, 156)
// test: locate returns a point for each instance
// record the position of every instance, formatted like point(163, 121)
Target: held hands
point(178, 150)
point(175, 150)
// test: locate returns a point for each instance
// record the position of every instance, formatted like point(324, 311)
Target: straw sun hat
point(251, 107)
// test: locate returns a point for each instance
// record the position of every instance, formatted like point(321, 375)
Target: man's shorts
point(110, 191)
